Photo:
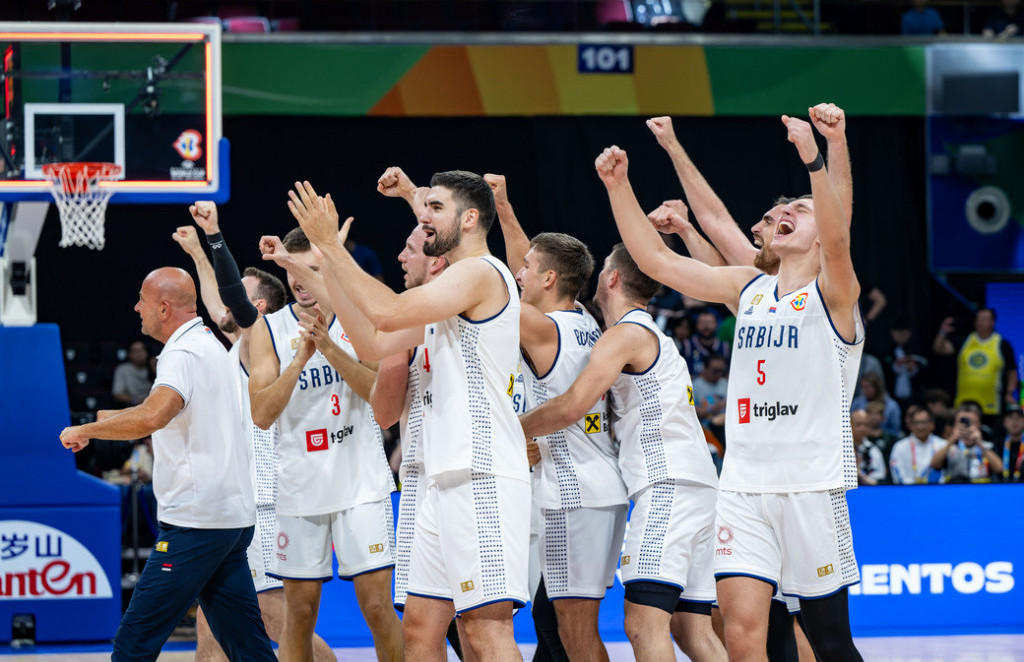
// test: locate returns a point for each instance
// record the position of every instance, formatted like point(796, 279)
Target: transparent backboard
point(143, 96)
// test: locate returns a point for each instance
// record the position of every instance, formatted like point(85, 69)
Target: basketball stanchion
point(81, 200)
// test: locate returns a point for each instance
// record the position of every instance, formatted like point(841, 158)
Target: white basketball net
point(82, 203)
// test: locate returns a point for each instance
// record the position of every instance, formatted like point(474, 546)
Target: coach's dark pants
point(206, 563)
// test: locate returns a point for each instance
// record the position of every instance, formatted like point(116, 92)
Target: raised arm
point(369, 343)
point(830, 121)
point(708, 208)
point(269, 388)
point(610, 354)
point(686, 275)
point(394, 183)
point(838, 281)
point(460, 289)
point(670, 218)
point(517, 244)
point(229, 280)
point(187, 237)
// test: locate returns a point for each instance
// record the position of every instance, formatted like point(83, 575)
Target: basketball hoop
point(81, 201)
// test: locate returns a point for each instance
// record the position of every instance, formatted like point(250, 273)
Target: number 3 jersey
point(791, 382)
point(330, 449)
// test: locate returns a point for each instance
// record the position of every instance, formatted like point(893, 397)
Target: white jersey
point(791, 383)
point(579, 464)
point(470, 424)
point(330, 450)
point(200, 458)
point(262, 443)
point(411, 421)
point(659, 435)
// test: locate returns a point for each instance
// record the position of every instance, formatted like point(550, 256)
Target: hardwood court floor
point(986, 648)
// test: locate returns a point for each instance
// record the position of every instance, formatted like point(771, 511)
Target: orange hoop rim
point(80, 176)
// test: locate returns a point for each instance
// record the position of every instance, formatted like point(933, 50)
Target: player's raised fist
point(662, 129)
point(273, 251)
point(800, 134)
point(670, 217)
point(394, 183)
point(829, 119)
point(204, 213)
point(187, 237)
point(497, 184)
point(612, 165)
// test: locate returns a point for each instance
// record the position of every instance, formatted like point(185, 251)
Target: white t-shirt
point(791, 382)
point(910, 460)
point(579, 464)
point(201, 470)
point(330, 449)
point(469, 420)
point(659, 434)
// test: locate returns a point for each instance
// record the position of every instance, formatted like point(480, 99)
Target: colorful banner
point(525, 80)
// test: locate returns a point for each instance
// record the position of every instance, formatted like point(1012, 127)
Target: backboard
point(144, 96)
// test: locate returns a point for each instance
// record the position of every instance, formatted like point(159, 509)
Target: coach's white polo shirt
point(200, 460)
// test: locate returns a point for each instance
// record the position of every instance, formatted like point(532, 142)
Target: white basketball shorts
point(799, 542)
point(579, 550)
point(670, 539)
point(472, 540)
point(363, 538)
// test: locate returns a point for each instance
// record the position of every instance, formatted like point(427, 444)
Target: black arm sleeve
point(229, 282)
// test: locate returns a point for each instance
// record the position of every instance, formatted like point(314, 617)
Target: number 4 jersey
point(791, 382)
point(330, 450)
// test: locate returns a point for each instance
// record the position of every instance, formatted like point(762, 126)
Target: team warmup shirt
point(659, 434)
point(791, 383)
point(330, 450)
point(200, 459)
point(579, 464)
point(262, 443)
point(470, 422)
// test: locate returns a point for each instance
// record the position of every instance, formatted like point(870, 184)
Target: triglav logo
point(38, 562)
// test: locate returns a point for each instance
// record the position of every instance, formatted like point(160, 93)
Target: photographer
point(967, 458)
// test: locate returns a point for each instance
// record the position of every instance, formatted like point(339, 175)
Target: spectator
point(869, 364)
point(986, 371)
point(921, 20)
point(666, 307)
point(872, 302)
point(709, 394)
point(872, 389)
point(681, 331)
point(966, 457)
point(938, 402)
point(870, 462)
point(903, 363)
point(132, 380)
point(704, 343)
point(911, 457)
point(878, 436)
point(1005, 22)
point(1012, 455)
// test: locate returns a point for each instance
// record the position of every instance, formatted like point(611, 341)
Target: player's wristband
point(817, 164)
